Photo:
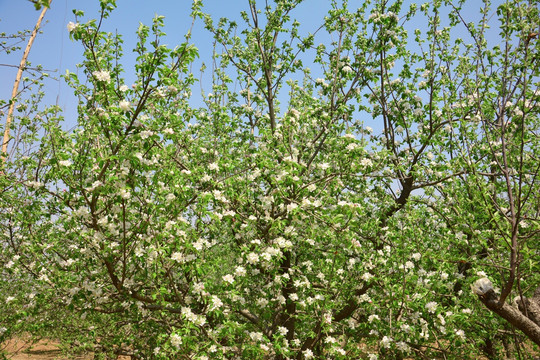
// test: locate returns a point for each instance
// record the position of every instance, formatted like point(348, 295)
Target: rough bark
point(530, 307)
point(525, 317)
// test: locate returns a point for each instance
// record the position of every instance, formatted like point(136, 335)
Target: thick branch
point(352, 305)
point(512, 315)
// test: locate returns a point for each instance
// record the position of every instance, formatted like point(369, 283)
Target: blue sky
point(55, 51)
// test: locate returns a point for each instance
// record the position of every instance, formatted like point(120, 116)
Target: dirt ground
point(19, 349)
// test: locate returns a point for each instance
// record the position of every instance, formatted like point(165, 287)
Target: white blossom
point(366, 276)
point(146, 134)
point(366, 162)
point(444, 276)
point(34, 184)
point(252, 258)
point(402, 346)
point(431, 306)
point(409, 265)
point(124, 105)
point(324, 166)
point(262, 302)
point(386, 341)
point(177, 256)
point(216, 303)
point(228, 278)
point(124, 194)
point(347, 69)
point(330, 340)
point(71, 26)
point(291, 207)
point(176, 340)
point(103, 76)
point(240, 271)
point(256, 336)
point(482, 286)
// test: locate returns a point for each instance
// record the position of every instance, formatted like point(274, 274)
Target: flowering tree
point(344, 219)
point(501, 167)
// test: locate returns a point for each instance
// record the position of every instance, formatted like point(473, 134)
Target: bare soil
point(23, 349)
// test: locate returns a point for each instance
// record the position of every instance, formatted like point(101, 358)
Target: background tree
point(326, 201)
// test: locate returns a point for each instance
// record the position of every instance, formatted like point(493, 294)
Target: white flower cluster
point(228, 278)
point(216, 303)
point(283, 243)
point(192, 317)
point(366, 162)
point(34, 184)
point(71, 26)
point(256, 336)
point(377, 17)
point(431, 306)
point(176, 340)
point(103, 76)
point(124, 105)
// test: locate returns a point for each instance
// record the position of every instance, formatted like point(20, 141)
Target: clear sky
point(56, 52)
